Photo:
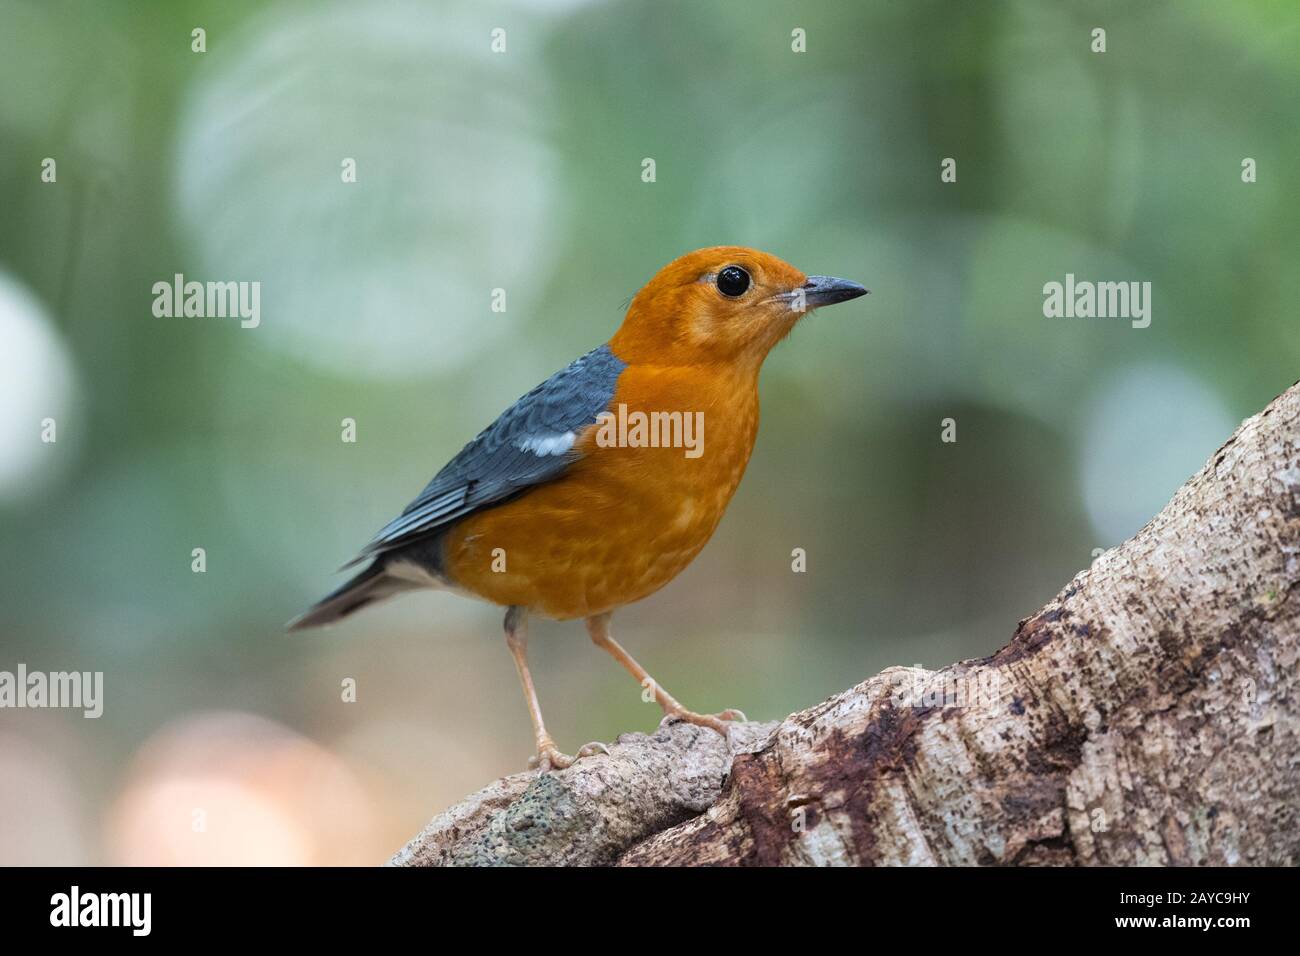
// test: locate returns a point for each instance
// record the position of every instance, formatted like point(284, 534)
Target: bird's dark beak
point(827, 290)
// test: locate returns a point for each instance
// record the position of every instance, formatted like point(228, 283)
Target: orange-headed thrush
point(600, 485)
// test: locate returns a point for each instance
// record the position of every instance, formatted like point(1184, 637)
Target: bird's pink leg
point(548, 756)
point(598, 628)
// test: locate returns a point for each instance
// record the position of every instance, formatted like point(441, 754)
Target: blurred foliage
point(522, 170)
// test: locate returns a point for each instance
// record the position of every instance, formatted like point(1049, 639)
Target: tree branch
point(1149, 714)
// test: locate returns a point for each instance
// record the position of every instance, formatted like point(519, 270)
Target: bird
point(599, 486)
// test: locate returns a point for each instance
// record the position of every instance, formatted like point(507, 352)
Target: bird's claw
point(549, 757)
point(715, 722)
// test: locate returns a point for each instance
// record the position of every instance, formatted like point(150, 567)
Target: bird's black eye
point(733, 281)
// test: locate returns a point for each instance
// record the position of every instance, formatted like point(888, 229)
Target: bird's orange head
point(722, 305)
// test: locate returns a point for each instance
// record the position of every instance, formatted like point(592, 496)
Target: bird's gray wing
point(531, 443)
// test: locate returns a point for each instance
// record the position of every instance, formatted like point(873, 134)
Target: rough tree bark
point(1147, 715)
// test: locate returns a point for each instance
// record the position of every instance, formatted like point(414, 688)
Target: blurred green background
point(225, 740)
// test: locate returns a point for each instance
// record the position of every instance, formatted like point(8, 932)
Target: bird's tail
point(369, 586)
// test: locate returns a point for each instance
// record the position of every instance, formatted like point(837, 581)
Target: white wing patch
point(544, 445)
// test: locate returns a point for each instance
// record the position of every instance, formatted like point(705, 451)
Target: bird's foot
point(716, 722)
point(550, 758)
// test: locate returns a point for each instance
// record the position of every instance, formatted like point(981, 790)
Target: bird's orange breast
point(627, 517)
